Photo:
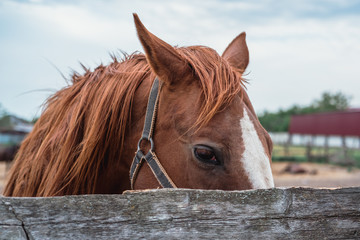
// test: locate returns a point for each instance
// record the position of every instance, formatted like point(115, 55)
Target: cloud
point(299, 67)
point(297, 49)
point(68, 21)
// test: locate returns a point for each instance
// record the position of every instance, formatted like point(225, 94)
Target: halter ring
point(149, 140)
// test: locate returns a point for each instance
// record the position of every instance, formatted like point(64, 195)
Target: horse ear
point(237, 53)
point(166, 62)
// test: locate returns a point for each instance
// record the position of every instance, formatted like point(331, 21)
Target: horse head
point(207, 135)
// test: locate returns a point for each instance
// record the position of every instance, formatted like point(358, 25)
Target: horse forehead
point(254, 159)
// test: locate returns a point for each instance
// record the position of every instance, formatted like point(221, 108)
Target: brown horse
point(206, 134)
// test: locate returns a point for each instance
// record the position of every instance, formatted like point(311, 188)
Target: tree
point(2, 111)
point(280, 120)
point(332, 102)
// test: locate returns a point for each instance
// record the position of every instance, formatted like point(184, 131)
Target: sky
point(298, 49)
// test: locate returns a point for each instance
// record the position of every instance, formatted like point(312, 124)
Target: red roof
point(345, 123)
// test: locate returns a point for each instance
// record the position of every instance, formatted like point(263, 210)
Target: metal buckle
point(149, 140)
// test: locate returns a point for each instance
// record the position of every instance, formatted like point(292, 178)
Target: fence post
point(309, 148)
point(287, 145)
point(291, 213)
point(326, 148)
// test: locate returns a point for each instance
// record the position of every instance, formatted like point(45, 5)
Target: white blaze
point(254, 159)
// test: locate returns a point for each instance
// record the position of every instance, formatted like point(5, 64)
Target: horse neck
point(115, 179)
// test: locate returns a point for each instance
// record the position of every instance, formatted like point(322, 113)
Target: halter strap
point(151, 158)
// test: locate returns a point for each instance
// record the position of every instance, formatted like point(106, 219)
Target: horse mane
point(219, 81)
point(83, 126)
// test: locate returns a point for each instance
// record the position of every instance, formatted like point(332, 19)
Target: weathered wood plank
point(294, 213)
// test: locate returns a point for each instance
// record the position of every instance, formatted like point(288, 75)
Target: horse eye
point(206, 155)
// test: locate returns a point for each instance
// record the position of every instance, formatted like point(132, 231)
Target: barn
point(343, 123)
point(13, 129)
point(12, 132)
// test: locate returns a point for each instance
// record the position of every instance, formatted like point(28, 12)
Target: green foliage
point(280, 120)
point(34, 120)
point(275, 122)
point(2, 111)
point(332, 102)
point(4, 115)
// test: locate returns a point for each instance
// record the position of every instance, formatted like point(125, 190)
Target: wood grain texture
point(293, 213)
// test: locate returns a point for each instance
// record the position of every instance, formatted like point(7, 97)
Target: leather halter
point(150, 157)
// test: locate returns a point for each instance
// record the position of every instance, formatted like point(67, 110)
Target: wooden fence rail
point(293, 213)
